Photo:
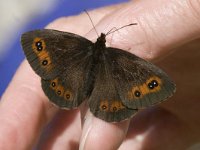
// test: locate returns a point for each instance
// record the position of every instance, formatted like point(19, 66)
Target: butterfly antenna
point(91, 22)
point(116, 29)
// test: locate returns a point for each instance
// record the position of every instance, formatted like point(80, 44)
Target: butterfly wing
point(49, 51)
point(61, 60)
point(124, 83)
point(139, 83)
point(69, 89)
point(104, 101)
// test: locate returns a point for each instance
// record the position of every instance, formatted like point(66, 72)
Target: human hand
point(167, 33)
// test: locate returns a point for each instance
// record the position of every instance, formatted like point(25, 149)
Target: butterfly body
point(114, 83)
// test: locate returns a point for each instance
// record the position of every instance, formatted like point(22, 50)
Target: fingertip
point(98, 134)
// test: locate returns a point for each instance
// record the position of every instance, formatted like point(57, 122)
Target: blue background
point(15, 54)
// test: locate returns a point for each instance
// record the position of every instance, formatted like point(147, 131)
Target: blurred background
point(18, 16)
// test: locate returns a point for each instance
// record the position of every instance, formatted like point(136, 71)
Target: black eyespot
point(44, 62)
point(155, 83)
point(104, 107)
point(151, 86)
point(59, 92)
point(114, 109)
point(39, 48)
point(137, 93)
point(67, 96)
point(39, 45)
point(53, 84)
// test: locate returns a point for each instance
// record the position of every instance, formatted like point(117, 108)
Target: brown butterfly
point(115, 83)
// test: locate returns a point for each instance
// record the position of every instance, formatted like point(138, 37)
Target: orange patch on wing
point(131, 93)
point(144, 89)
point(60, 90)
point(134, 89)
point(35, 40)
point(68, 95)
point(42, 54)
point(48, 66)
point(104, 106)
point(155, 88)
point(54, 83)
point(116, 106)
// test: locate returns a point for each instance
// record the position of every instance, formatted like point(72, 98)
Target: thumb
point(162, 26)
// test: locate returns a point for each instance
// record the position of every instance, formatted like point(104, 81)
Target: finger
point(81, 24)
point(152, 129)
point(24, 110)
point(98, 134)
point(162, 26)
point(62, 133)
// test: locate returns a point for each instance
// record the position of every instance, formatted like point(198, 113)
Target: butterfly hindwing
point(105, 101)
point(49, 51)
point(69, 89)
point(59, 93)
point(139, 83)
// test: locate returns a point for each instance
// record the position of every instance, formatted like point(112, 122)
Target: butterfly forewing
point(69, 89)
point(49, 51)
point(138, 82)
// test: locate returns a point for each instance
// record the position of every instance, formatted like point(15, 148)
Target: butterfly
point(114, 82)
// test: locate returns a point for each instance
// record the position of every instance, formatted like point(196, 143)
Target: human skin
point(167, 33)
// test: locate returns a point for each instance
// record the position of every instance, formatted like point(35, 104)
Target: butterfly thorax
point(99, 46)
point(97, 55)
point(101, 42)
